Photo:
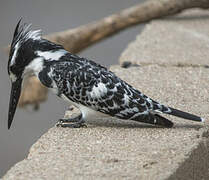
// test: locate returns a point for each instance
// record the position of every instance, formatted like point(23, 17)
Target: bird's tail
point(185, 115)
point(162, 121)
point(154, 119)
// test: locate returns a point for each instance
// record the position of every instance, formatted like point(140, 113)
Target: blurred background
point(50, 16)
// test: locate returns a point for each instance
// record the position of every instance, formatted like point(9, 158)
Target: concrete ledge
point(116, 149)
point(179, 40)
point(111, 149)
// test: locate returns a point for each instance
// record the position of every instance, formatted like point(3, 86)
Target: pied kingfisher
point(92, 88)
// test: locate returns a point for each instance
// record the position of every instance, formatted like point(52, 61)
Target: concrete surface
point(116, 149)
point(179, 40)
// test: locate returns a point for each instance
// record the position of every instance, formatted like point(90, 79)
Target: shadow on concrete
point(191, 126)
point(117, 123)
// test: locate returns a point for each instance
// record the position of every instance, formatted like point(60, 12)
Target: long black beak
point(14, 98)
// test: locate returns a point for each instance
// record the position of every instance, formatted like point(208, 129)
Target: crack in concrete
point(128, 64)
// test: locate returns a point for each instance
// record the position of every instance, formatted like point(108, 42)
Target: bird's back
point(85, 82)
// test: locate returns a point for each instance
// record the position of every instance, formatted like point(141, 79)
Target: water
point(50, 16)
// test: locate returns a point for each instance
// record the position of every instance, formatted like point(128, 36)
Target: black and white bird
point(92, 88)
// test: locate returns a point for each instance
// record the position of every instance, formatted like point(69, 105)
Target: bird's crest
point(23, 33)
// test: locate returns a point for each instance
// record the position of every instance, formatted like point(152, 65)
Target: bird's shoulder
point(74, 68)
point(71, 61)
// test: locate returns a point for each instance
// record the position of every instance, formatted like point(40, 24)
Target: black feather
point(17, 28)
point(185, 115)
point(154, 119)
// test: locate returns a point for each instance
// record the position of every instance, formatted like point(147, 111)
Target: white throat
point(34, 67)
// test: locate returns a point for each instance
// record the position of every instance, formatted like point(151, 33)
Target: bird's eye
point(12, 68)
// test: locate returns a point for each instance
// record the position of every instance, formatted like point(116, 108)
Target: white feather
point(126, 99)
point(14, 54)
point(34, 67)
point(35, 35)
point(87, 113)
point(13, 77)
point(50, 55)
point(98, 91)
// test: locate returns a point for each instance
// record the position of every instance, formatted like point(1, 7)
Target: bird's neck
point(34, 67)
point(41, 57)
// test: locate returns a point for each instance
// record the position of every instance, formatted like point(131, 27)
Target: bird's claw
point(63, 124)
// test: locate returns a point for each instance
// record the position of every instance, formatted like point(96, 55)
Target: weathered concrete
point(113, 149)
point(179, 40)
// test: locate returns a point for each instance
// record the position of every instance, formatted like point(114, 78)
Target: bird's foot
point(71, 125)
point(70, 120)
point(75, 122)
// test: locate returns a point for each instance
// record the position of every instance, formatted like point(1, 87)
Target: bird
point(89, 86)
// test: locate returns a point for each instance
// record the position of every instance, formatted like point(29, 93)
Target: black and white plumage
point(89, 86)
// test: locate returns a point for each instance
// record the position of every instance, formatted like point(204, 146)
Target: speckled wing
point(85, 82)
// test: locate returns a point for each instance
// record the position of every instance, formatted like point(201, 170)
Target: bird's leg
point(75, 122)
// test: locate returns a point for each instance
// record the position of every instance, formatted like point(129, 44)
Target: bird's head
point(20, 56)
point(27, 55)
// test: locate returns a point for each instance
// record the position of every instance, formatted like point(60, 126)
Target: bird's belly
point(87, 113)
